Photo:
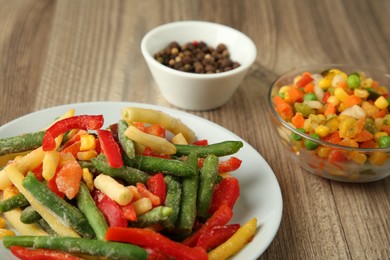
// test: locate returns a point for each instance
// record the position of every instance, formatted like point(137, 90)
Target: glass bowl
point(347, 161)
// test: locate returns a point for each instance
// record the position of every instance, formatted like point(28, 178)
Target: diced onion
point(354, 111)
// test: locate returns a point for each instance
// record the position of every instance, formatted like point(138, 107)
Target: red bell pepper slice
point(110, 148)
point(216, 236)
point(74, 148)
point(110, 209)
point(225, 192)
point(85, 122)
point(220, 217)
point(230, 165)
point(38, 172)
point(157, 186)
point(202, 142)
point(304, 80)
point(40, 254)
point(155, 255)
point(149, 152)
point(155, 241)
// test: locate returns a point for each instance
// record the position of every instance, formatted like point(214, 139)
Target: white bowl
point(194, 91)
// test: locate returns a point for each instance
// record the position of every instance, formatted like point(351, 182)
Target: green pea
point(310, 97)
point(384, 141)
point(311, 145)
point(296, 137)
point(353, 81)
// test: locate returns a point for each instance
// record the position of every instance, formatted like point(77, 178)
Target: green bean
point(154, 216)
point(126, 143)
point(111, 250)
point(187, 213)
point(29, 215)
point(25, 241)
point(208, 176)
point(13, 202)
point(217, 149)
point(45, 226)
point(155, 164)
point(88, 165)
point(129, 175)
point(94, 216)
point(172, 200)
point(21, 143)
point(68, 213)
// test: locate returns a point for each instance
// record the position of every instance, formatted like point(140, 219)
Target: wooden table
point(66, 51)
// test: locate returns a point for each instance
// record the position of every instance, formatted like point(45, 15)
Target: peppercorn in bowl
point(335, 120)
point(197, 65)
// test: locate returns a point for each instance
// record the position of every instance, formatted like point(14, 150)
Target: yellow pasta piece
point(174, 125)
point(113, 189)
point(236, 242)
point(24, 164)
point(156, 143)
point(88, 178)
point(4, 159)
point(53, 220)
point(49, 164)
point(142, 206)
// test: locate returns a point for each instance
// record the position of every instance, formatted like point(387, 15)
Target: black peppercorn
point(196, 57)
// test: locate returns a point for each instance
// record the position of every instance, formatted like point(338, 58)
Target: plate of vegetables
point(132, 181)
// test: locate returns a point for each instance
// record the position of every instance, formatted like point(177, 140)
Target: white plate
point(260, 192)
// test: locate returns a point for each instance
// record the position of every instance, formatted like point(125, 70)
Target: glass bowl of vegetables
point(335, 120)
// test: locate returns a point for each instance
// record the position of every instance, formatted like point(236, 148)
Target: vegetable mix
point(75, 190)
point(349, 110)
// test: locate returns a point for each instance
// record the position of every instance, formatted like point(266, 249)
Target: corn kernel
point(321, 118)
point(382, 90)
point(378, 158)
point(87, 155)
point(6, 232)
point(333, 101)
point(2, 222)
point(360, 158)
point(367, 82)
point(340, 94)
point(88, 179)
point(381, 102)
point(333, 124)
point(361, 93)
point(87, 142)
point(377, 135)
point(325, 83)
point(322, 130)
point(369, 109)
point(284, 89)
point(323, 152)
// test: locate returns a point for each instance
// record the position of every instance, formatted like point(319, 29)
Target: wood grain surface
point(68, 51)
